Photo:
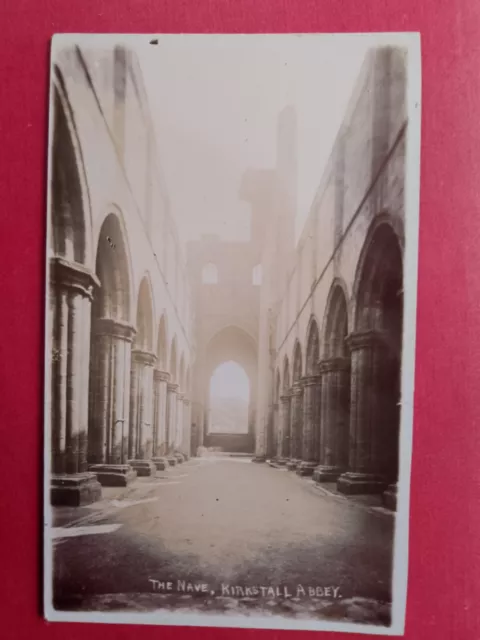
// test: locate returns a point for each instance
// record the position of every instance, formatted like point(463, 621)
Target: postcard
point(230, 329)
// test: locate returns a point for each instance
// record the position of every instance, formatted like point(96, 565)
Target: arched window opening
point(229, 399)
point(257, 276)
point(210, 274)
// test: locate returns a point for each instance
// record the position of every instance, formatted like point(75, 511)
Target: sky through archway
point(229, 399)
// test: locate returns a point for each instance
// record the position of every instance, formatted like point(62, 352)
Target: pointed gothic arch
point(297, 362)
point(313, 347)
point(162, 344)
point(336, 322)
point(145, 316)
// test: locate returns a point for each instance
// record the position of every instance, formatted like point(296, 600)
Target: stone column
point(283, 442)
point(200, 426)
point(309, 450)
point(296, 419)
point(186, 442)
point(110, 381)
point(179, 422)
point(160, 380)
point(141, 410)
point(367, 415)
point(71, 295)
point(275, 432)
point(334, 419)
point(171, 420)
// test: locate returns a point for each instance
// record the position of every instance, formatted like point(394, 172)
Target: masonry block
point(75, 490)
point(113, 475)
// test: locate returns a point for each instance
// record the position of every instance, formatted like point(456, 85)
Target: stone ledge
point(389, 497)
point(74, 490)
point(161, 463)
point(355, 484)
point(326, 474)
point(305, 468)
point(113, 475)
point(292, 464)
point(143, 467)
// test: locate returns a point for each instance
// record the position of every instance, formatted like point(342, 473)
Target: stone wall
point(119, 321)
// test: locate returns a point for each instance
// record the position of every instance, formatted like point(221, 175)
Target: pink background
point(444, 585)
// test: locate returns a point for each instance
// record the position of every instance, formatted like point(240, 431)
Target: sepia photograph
point(231, 283)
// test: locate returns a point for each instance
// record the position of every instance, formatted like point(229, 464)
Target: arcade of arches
point(119, 376)
point(132, 355)
point(339, 420)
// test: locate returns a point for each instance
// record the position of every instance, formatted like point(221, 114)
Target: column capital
point(365, 339)
point(334, 364)
point(161, 376)
point(114, 328)
point(285, 397)
point(180, 395)
point(186, 402)
point(172, 387)
point(73, 276)
point(311, 381)
point(275, 406)
point(297, 388)
point(144, 357)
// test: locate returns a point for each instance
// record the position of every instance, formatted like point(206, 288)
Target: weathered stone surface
point(357, 483)
point(292, 464)
point(161, 463)
point(390, 497)
point(143, 467)
point(74, 490)
point(113, 475)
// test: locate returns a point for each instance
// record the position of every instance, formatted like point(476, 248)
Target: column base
point(172, 461)
point(113, 475)
point(280, 461)
point(259, 458)
point(356, 483)
point(292, 464)
point(74, 490)
point(325, 473)
point(390, 497)
point(160, 463)
point(179, 457)
point(306, 468)
point(143, 467)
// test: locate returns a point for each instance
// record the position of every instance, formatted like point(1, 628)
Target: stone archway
point(70, 218)
point(376, 345)
point(229, 395)
point(72, 285)
point(231, 344)
point(140, 443)
point(334, 369)
point(111, 338)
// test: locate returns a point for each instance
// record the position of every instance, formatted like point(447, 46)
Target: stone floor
point(224, 534)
